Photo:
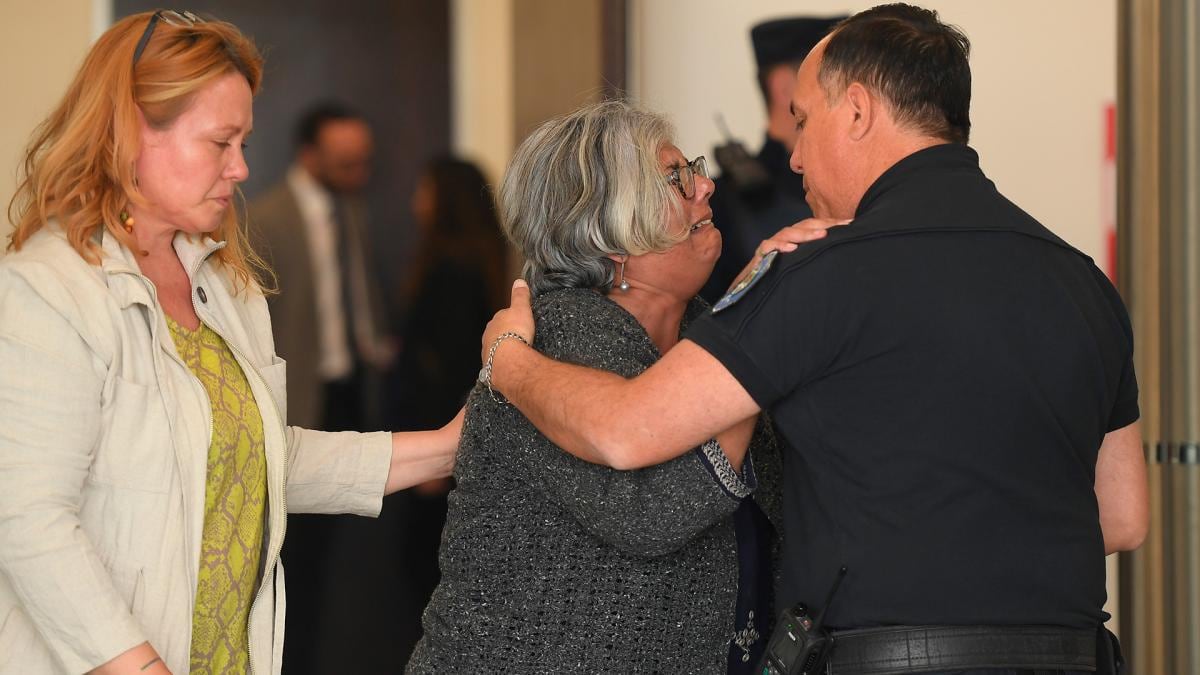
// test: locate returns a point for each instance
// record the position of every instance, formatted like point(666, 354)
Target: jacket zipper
point(155, 340)
point(272, 555)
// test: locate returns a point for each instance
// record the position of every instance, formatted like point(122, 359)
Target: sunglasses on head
point(169, 16)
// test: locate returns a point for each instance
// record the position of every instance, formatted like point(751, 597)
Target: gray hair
point(585, 186)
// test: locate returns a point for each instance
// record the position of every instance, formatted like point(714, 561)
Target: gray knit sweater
point(554, 565)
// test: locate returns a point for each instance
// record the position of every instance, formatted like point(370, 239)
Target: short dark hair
point(906, 55)
point(318, 115)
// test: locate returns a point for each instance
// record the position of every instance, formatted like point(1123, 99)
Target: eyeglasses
point(684, 177)
point(170, 16)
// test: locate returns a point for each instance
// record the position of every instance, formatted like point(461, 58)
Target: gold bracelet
point(485, 373)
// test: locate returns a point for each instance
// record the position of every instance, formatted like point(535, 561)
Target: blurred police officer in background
point(756, 196)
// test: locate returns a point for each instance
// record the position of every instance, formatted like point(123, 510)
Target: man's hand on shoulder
point(516, 320)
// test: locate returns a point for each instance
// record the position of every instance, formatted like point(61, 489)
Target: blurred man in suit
point(327, 320)
point(328, 314)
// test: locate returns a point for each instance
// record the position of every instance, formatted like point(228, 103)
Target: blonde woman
point(145, 465)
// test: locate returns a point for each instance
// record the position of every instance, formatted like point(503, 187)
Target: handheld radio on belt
point(800, 645)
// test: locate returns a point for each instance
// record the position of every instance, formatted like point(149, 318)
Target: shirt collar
point(312, 197)
point(951, 157)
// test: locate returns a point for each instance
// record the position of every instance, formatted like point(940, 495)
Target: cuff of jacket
point(342, 472)
point(737, 486)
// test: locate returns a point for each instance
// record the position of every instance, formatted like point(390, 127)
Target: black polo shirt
point(944, 370)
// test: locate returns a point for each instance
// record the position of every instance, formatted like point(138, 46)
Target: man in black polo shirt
point(955, 382)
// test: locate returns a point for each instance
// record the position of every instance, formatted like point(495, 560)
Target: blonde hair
point(585, 186)
point(79, 166)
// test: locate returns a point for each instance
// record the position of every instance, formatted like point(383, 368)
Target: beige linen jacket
point(104, 437)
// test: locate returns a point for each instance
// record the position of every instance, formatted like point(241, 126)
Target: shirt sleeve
point(781, 334)
point(1125, 408)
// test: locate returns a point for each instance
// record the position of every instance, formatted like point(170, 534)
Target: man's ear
point(865, 109)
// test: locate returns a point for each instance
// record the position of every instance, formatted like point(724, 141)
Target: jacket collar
point(119, 264)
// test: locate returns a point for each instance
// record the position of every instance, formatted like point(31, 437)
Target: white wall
point(42, 44)
point(481, 43)
point(1043, 72)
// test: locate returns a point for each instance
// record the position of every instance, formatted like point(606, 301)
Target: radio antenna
point(720, 119)
point(829, 598)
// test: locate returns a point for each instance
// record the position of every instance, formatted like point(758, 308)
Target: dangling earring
point(624, 285)
point(126, 221)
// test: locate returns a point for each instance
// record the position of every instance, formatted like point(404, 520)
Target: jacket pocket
point(135, 449)
point(275, 375)
point(130, 584)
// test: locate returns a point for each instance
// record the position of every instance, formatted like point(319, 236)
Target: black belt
point(926, 649)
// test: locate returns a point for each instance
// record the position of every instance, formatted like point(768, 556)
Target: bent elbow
point(614, 446)
point(627, 454)
point(1127, 535)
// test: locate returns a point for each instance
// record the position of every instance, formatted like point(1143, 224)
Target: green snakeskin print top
point(235, 503)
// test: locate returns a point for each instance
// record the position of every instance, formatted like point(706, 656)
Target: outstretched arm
point(339, 472)
point(684, 399)
point(680, 402)
point(421, 456)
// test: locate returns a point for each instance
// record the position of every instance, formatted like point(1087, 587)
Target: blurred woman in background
point(457, 281)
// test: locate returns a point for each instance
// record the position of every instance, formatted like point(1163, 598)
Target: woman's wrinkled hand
point(517, 318)
point(789, 239)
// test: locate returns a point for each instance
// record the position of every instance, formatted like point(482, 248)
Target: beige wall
point(41, 44)
point(557, 59)
point(515, 64)
point(482, 88)
point(1043, 72)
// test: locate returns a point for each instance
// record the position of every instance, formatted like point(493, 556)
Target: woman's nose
point(704, 188)
point(238, 171)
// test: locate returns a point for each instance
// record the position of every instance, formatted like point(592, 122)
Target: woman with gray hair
point(549, 563)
